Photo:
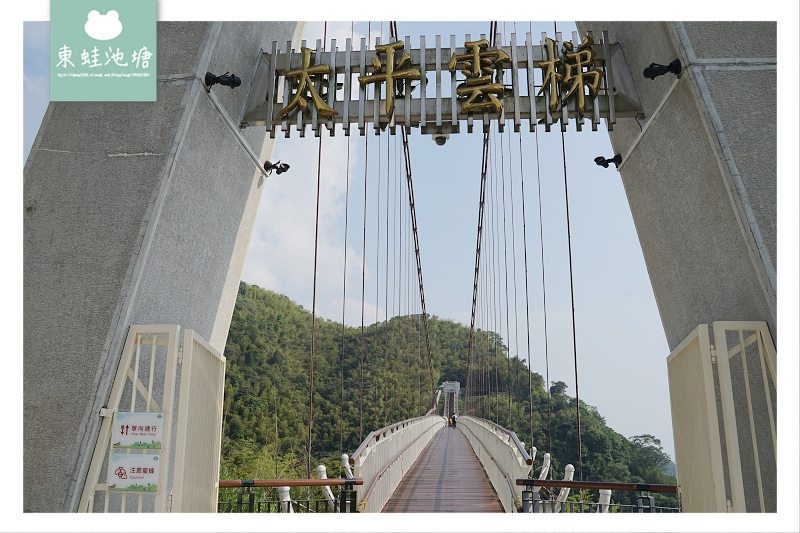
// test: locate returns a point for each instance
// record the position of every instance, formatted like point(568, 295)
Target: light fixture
point(278, 167)
point(603, 162)
point(655, 70)
point(231, 80)
point(440, 138)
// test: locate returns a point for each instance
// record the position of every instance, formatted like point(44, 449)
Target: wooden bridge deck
point(447, 478)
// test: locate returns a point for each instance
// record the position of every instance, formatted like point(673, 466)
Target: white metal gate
point(199, 435)
point(724, 400)
point(147, 381)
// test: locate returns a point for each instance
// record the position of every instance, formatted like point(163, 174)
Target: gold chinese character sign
point(478, 67)
point(574, 76)
point(324, 82)
point(305, 83)
point(389, 73)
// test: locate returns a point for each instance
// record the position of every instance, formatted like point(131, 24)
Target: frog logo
point(103, 27)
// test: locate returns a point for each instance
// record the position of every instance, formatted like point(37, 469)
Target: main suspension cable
point(481, 203)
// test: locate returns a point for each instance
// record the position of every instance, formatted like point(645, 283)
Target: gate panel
point(145, 382)
point(747, 365)
point(724, 405)
point(199, 437)
point(698, 451)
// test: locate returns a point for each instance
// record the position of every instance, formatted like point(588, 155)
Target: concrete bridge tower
point(135, 213)
point(700, 173)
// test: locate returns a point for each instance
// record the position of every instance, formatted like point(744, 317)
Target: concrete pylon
point(700, 168)
point(700, 173)
point(135, 213)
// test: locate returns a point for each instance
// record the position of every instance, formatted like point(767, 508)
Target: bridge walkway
point(446, 478)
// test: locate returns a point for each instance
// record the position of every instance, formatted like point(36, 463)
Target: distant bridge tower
point(451, 391)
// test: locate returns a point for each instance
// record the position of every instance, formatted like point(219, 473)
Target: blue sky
point(621, 348)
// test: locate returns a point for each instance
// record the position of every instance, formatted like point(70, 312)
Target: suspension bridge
point(444, 451)
point(454, 457)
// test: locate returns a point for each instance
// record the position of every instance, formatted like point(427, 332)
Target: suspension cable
point(514, 262)
point(572, 298)
point(505, 270)
point(363, 277)
point(344, 297)
point(544, 300)
point(495, 276)
point(314, 296)
point(413, 213)
point(481, 204)
point(386, 295)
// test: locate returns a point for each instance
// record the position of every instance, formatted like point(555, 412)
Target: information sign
point(133, 472)
point(140, 431)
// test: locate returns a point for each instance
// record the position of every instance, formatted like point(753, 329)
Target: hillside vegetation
point(363, 382)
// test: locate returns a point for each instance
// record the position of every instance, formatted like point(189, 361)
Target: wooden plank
point(447, 478)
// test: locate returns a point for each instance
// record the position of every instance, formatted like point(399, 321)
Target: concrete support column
point(700, 170)
point(135, 213)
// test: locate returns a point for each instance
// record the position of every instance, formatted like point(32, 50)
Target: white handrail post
point(286, 500)
point(569, 471)
point(604, 500)
point(346, 465)
point(323, 474)
point(545, 466)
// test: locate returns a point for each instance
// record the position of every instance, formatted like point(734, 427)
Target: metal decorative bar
point(612, 116)
point(311, 78)
point(348, 82)
point(515, 80)
point(286, 86)
point(564, 105)
point(272, 85)
point(579, 120)
point(362, 89)
point(501, 123)
point(453, 88)
point(438, 81)
point(423, 83)
point(531, 81)
point(376, 99)
point(596, 108)
point(331, 86)
point(407, 99)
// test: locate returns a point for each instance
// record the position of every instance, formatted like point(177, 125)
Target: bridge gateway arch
point(164, 240)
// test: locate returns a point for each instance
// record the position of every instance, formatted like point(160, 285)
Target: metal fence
point(274, 496)
point(645, 502)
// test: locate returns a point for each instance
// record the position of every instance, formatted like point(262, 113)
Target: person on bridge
point(454, 420)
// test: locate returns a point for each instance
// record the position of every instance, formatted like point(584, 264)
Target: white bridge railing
point(386, 455)
point(502, 455)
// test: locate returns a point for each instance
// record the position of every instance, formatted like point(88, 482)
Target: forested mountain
point(362, 382)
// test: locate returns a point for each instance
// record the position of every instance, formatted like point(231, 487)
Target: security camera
point(440, 138)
